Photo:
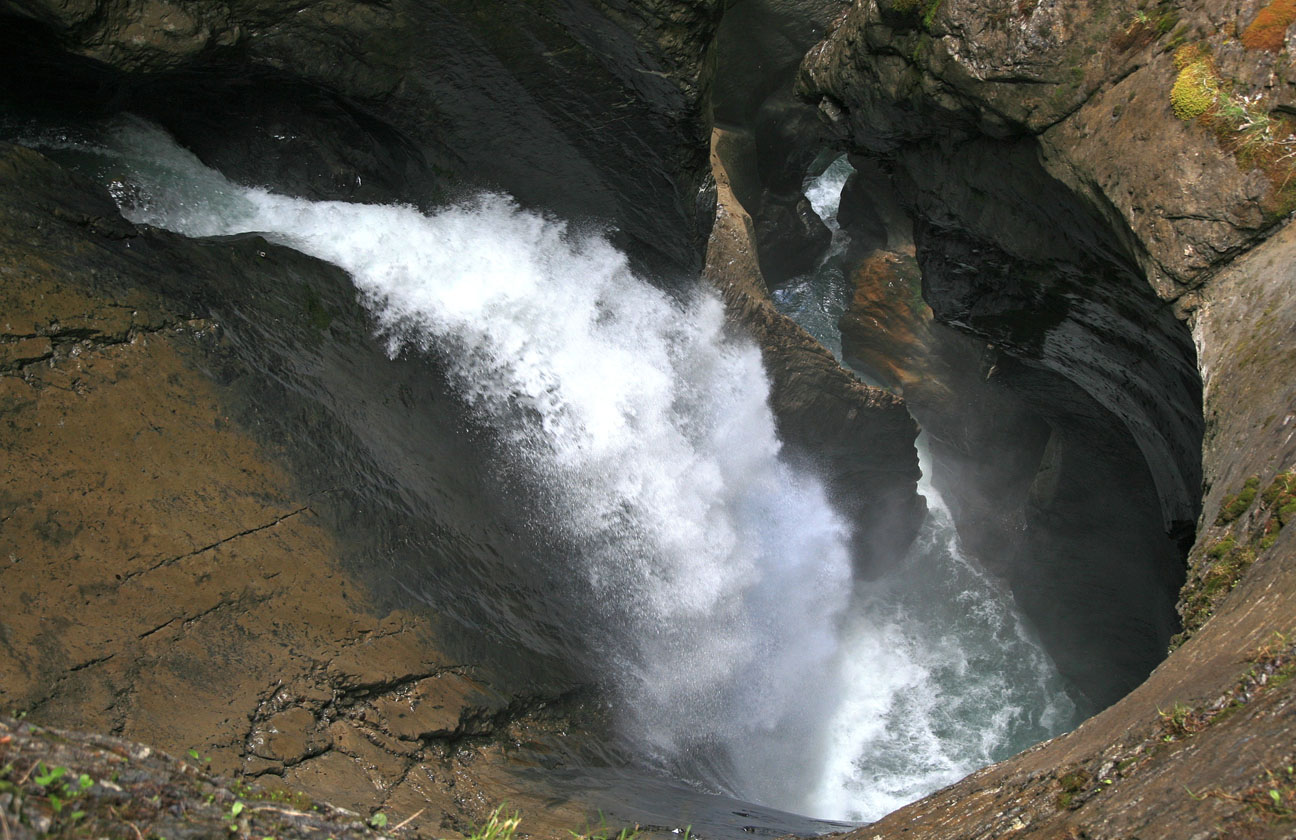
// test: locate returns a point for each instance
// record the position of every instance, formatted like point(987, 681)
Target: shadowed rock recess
point(231, 522)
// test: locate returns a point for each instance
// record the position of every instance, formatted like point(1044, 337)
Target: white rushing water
point(742, 653)
point(817, 300)
point(966, 681)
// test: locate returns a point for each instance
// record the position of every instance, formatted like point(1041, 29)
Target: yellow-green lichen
point(1195, 91)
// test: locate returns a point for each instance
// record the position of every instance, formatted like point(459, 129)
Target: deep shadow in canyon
point(1060, 394)
point(1063, 408)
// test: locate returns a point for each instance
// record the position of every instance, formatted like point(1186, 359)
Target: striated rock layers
point(232, 523)
point(212, 539)
point(590, 109)
point(1099, 197)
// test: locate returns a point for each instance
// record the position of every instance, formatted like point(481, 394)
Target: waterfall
point(740, 654)
point(943, 677)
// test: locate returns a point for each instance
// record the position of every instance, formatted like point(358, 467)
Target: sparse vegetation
point(1222, 563)
point(924, 9)
point(1257, 138)
point(1147, 23)
point(501, 827)
point(1072, 784)
point(1271, 797)
point(1237, 504)
point(1271, 665)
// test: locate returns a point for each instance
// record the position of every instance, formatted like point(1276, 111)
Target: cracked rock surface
point(166, 578)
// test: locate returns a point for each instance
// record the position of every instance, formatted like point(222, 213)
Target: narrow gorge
point(768, 416)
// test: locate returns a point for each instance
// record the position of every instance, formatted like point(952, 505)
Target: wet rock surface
point(858, 437)
point(590, 110)
point(965, 105)
point(173, 578)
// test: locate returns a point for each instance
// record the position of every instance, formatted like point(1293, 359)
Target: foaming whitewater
point(941, 675)
point(742, 656)
point(817, 300)
point(718, 573)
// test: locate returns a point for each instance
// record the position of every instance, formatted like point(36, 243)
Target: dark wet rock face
point(591, 110)
point(772, 137)
point(1085, 359)
point(1091, 261)
point(857, 437)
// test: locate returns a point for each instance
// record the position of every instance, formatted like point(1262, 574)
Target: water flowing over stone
point(716, 578)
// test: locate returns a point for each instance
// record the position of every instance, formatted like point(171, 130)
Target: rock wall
point(859, 438)
point(177, 573)
point(589, 109)
point(771, 136)
point(1070, 208)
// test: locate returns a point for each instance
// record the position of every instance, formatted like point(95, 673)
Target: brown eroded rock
point(165, 576)
point(858, 437)
point(963, 100)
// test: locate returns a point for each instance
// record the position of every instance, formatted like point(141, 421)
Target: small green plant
point(1180, 722)
point(60, 787)
point(497, 826)
point(378, 820)
point(47, 776)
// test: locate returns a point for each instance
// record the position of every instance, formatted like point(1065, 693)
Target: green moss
point(929, 13)
point(1237, 504)
point(1074, 781)
point(1283, 484)
point(924, 10)
point(1195, 91)
point(1223, 562)
point(1220, 548)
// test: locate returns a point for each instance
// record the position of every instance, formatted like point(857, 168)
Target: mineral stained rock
point(1037, 141)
